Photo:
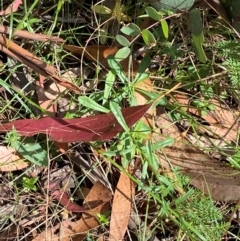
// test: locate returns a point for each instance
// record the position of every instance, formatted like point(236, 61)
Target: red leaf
point(94, 128)
point(63, 198)
point(12, 7)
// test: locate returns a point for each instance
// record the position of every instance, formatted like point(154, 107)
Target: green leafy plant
point(103, 218)
point(29, 184)
point(12, 137)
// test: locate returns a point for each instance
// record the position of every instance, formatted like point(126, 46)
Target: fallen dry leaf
point(22, 55)
point(97, 201)
point(27, 35)
point(64, 199)
point(93, 128)
point(99, 54)
point(121, 208)
point(10, 161)
point(213, 177)
point(223, 123)
point(62, 147)
point(44, 102)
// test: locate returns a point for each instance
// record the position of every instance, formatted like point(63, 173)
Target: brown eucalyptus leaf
point(213, 177)
point(64, 199)
point(27, 35)
point(224, 122)
point(121, 208)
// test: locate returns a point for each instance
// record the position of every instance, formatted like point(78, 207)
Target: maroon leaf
point(64, 199)
point(94, 128)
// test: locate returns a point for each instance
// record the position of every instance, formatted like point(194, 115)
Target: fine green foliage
point(199, 211)
point(91, 104)
point(233, 66)
point(229, 51)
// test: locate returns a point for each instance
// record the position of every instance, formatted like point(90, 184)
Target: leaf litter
point(100, 127)
point(217, 180)
point(96, 202)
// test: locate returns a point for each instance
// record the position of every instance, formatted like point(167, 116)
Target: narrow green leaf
point(16, 95)
point(103, 33)
point(140, 77)
point(164, 28)
point(154, 95)
point(152, 13)
point(108, 85)
point(151, 158)
point(122, 40)
point(195, 21)
point(122, 54)
point(166, 142)
point(116, 110)
point(148, 38)
point(109, 153)
point(145, 170)
point(128, 150)
point(198, 40)
point(197, 33)
point(89, 103)
point(117, 68)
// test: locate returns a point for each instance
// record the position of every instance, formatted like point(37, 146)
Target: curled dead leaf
point(64, 199)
